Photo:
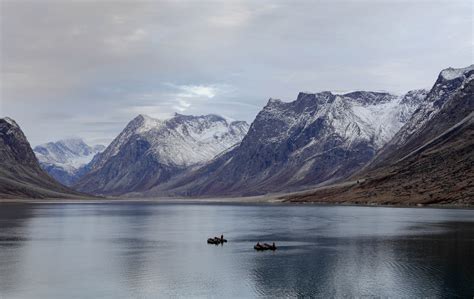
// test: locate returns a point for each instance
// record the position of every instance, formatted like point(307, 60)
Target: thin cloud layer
point(85, 68)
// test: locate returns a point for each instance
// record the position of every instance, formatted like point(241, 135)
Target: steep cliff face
point(431, 159)
point(413, 133)
point(20, 173)
point(149, 152)
point(316, 139)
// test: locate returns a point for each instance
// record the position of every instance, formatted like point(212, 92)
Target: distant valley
point(66, 160)
point(20, 173)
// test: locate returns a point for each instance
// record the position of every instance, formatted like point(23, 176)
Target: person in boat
point(222, 238)
point(273, 245)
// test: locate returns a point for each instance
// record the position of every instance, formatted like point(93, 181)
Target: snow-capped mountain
point(449, 82)
point(20, 173)
point(429, 161)
point(65, 159)
point(318, 138)
point(150, 151)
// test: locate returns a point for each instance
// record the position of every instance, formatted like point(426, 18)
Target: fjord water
point(136, 250)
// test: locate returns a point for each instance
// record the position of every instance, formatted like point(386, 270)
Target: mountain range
point(66, 160)
point(317, 138)
point(362, 146)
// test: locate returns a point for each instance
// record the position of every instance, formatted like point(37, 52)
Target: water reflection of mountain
point(14, 221)
point(437, 265)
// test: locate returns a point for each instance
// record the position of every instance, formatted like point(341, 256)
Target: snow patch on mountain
point(382, 121)
point(11, 122)
point(148, 123)
point(68, 154)
point(452, 73)
point(182, 140)
point(187, 140)
point(356, 116)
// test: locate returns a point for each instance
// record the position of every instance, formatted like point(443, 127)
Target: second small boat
point(265, 246)
point(217, 240)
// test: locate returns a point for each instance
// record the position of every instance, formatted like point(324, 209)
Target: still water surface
point(149, 250)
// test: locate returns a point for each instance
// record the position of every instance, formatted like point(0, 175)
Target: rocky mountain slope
point(318, 138)
point(413, 134)
point(66, 160)
point(429, 161)
point(20, 173)
point(149, 151)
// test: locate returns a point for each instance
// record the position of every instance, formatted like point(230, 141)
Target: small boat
point(264, 246)
point(211, 241)
point(216, 240)
point(269, 247)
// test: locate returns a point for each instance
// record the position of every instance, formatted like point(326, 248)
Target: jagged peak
point(319, 98)
point(198, 118)
point(324, 93)
point(301, 96)
point(364, 97)
point(72, 141)
point(306, 93)
point(454, 73)
point(10, 121)
point(139, 120)
point(143, 122)
point(68, 142)
point(211, 115)
point(370, 97)
point(274, 101)
point(360, 93)
point(143, 117)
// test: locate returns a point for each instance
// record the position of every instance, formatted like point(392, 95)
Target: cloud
point(182, 105)
point(178, 98)
point(120, 43)
point(196, 91)
point(106, 61)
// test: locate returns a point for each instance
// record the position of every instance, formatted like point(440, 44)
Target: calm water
point(137, 250)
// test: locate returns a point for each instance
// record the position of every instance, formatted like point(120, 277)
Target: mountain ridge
point(435, 99)
point(20, 173)
point(317, 138)
point(431, 165)
point(156, 150)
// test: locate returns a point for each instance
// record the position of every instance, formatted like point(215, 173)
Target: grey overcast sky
point(86, 68)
